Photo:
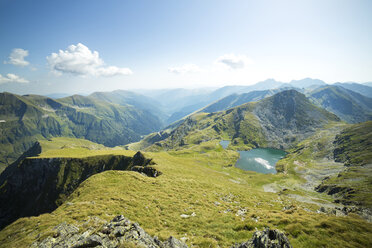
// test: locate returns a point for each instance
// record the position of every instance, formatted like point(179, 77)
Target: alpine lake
point(260, 160)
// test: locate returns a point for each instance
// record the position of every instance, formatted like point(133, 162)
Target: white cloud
point(80, 60)
point(234, 61)
point(17, 57)
point(189, 68)
point(12, 78)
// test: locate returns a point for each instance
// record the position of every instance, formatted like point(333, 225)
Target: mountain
point(280, 121)
point(239, 99)
point(257, 92)
point(179, 103)
point(125, 98)
point(306, 83)
point(346, 104)
point(199, 198)
point(350, 106)
point(363, 89)
point(26, 119)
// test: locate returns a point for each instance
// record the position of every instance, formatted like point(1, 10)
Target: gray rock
point(91, 241)
point(173, 243)
point(147, 170)
point(268, 238)
point(118, 231)
point(64, 229)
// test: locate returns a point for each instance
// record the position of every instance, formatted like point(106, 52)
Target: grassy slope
point(195, 181)
point(349, 144)
point(354, 148)
point(31, 117)
point(238, 125)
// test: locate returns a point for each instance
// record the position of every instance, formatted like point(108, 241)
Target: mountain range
point(121, 117)
point(75, 160)
point(279, 121)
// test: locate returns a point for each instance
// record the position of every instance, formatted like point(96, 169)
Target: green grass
point(77, 148)
point(194, 180)
point(353, 146)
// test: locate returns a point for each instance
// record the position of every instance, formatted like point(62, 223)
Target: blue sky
point(108, 45)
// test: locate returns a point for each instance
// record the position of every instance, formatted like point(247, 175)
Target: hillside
point(363, 89)
point(280, 121)
point(26, 119)
point(336, 161)
point(197, 199)
point(125, 98)
point(352, 186)
point(350, 106)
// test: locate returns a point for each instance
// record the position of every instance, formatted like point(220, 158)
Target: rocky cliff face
point(39, 185)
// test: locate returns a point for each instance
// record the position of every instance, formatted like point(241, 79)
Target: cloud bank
point(188, 68)
point(234, 61)
point(80, 60)
point(17, 57)
point(12, 78)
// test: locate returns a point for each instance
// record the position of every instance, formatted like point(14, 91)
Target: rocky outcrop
point(139, 159)
point(119, 232)
point(40, 185)
point(147, 170)
point(289, 117)
point(268, 238)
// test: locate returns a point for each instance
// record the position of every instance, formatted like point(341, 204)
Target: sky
point(82, 46)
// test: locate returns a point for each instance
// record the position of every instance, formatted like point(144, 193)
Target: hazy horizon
point(50, 92)
point(88, 46)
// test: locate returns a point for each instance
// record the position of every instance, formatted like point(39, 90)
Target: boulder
point(268, 238)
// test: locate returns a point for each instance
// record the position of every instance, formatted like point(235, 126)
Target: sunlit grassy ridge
point(229, 204)
point(62, 147)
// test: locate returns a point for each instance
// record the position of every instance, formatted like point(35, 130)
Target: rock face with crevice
point(119, 232)
point(268, 238)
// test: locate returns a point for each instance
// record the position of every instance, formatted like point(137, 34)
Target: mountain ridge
point(25, 119)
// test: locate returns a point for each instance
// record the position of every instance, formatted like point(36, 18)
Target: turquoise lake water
point(261, 160)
